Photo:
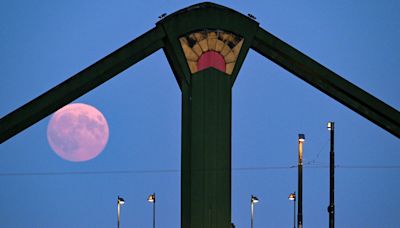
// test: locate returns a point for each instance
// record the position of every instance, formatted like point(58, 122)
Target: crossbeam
point(81, 83)
point(327, 81)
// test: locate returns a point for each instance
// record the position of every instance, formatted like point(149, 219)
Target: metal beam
point(206, 150)
point(327, 81)
point(81, 83)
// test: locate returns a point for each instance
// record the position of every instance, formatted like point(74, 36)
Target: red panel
point(211, 59)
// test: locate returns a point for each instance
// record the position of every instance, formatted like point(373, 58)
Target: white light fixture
point(292, 196)
point(121, 200)
point(254, 199)
point(151, 198)
point(301, 137)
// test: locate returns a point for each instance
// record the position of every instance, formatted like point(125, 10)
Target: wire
point(322, 148)
point(261, 168)
point(368, 167)
point(91, 172)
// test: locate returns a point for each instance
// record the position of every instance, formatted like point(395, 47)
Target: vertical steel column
point(206, 151)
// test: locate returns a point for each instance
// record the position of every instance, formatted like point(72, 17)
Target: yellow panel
point(199, 36)
point(230, 57)
point(192, 36)
point(204, 45)
point(212, 43)
point(237, 48)
point(212, 40)
point(192, 66)
point(183, 40)
point(225, 50)
point(229, 68)
point(189, 53)
point(219, 45)
point(231, 38)
point(197, 49)
point(212, 35)
point(224, 36)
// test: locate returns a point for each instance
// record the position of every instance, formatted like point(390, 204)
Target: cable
point(91, 172)
point(368, 166)
point(322, 148)
point(261, 168)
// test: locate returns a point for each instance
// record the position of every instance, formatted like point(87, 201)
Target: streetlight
point(120, 201)
point(152, 199)
point(292, 197)
point(253, 201)
point(300, 184)
point(331, 207)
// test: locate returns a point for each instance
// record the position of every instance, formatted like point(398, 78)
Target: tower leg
point(206, 151)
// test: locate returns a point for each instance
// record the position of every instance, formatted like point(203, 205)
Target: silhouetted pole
point(120, 202)
point(331, 207)
point(294, 213)
point(300, 184)
point(118, 215)
point(252, 215)
point(292, 197)
point(253, 201)
point(152, 199)
point(154, 211)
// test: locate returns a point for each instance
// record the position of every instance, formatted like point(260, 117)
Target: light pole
point(120, 202)
point(331, 207)
point(292, 197)
point(253, 201)
point(300, 184)
point(152, 199)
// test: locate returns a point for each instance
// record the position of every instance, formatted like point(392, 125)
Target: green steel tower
point(205, 44)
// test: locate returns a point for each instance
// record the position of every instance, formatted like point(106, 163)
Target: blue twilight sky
point(42, 43)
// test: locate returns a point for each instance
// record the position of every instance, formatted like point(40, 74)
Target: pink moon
point(78, 132)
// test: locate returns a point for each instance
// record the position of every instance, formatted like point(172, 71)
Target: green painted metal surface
point(206, 115)
point(81, 83)
point(165, 36)
point(206, 101)
point(206, 182)
point(327, 81)
point(204, 16)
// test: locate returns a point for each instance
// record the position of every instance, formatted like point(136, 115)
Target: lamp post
point(120, 201)
point(292, 197)
point(253, 201)
point(152, 199)
point(331, 207)
point(300, 184)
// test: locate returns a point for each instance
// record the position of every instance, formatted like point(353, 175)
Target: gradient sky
point(42, 43)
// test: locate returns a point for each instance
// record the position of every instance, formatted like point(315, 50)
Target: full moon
point(78, 132)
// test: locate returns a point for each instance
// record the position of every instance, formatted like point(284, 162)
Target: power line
point(155, 171)
point(368, 166)
point(90, 172)
point(322, 148)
